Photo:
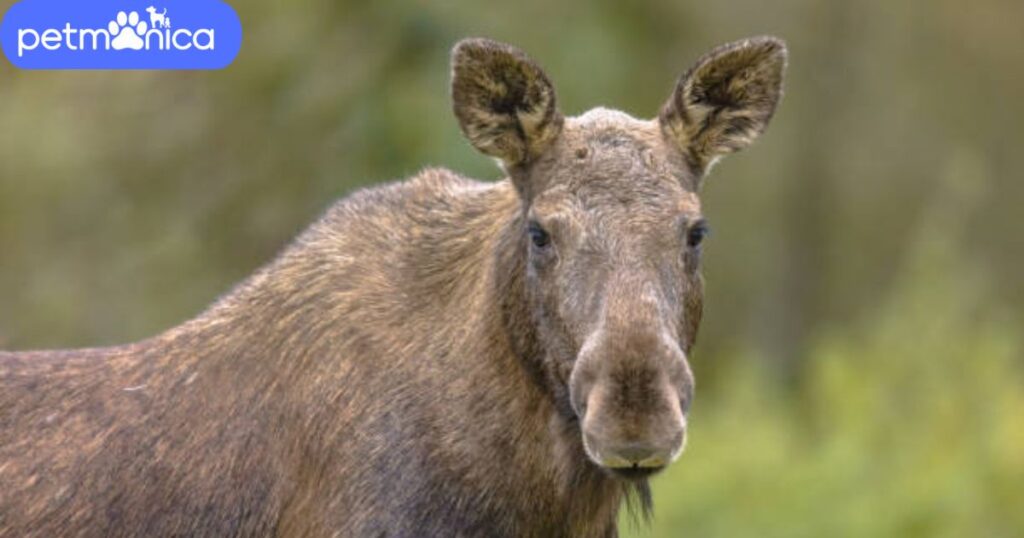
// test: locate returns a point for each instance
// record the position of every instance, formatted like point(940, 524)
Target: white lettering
point(174, 39)
point(208, 32)
point(159, 39)
point(22, 46)
point(96, 34)
point(83, 39)
point(51, 39)
point(68, 31)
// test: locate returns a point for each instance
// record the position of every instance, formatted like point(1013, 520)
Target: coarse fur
point(435, 357)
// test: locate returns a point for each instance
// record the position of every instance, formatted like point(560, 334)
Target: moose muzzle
point(631, 391)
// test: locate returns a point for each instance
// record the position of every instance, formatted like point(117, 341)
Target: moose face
point(613, 230)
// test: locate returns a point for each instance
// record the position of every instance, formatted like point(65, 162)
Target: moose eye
point(538, 236)
point(696, 234)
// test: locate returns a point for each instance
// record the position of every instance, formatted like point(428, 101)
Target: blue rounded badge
point(120, 34)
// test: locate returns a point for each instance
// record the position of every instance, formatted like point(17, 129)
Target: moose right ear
point(503, 100)
point(726, 100)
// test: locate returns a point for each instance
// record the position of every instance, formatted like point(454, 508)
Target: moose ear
point(726, 100)
point(504, 102)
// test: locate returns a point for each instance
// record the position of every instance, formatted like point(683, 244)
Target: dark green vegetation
point(860, 362)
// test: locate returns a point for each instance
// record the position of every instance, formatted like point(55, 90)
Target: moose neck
point(472, 269)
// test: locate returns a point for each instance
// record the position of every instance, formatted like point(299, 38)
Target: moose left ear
point(503, 100)
point(726, 100)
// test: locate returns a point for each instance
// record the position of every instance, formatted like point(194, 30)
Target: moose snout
point(635, 424)
point(631, 397)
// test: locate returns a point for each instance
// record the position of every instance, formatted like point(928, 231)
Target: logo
point(119, 34)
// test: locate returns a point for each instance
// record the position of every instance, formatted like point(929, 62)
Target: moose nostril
point(684, 404)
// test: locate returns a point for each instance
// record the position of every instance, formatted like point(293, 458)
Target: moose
point(433, 357)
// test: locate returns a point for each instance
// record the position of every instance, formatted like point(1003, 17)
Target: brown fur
point(411, 365)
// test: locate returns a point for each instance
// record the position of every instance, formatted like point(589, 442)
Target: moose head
point(612, 230)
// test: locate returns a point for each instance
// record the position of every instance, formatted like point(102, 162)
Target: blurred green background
point(860, 367)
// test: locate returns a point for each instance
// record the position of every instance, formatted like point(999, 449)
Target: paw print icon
point(126, 31)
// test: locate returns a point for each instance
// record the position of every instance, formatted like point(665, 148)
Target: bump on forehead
point(618, 142)
point(608, 153)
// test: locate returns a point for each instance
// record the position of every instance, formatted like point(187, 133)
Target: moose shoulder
point(437, 357)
